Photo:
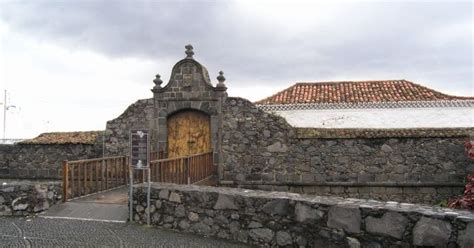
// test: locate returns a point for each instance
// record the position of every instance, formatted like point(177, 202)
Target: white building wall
point(381, 118)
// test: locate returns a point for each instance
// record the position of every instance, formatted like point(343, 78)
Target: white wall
point(381, 118)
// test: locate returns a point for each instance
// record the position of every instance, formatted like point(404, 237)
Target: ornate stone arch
point(189, 87)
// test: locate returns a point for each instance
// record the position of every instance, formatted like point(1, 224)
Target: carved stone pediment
point(189, 79)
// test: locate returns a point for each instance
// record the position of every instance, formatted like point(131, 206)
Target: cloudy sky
point(73, 65)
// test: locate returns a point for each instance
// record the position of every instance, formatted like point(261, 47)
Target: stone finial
point(221, 77)
point(157, 82)
point(189, 51)
point(221, 80)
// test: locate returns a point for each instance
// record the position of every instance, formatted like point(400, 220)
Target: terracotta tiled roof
point(89, 137)
point(357, 92)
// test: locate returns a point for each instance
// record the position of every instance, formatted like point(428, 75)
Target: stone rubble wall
point(136, 116)
point(280, 219)
point(42, 161)
point(27, 197)
point(261, 150)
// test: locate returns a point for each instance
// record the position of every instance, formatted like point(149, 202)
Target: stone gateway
point(185, 116)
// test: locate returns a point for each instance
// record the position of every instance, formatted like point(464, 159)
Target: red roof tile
point(88, 137)
point(357, 92)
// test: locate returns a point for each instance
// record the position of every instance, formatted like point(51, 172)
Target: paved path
point(42, 232)
point(115, 196)
point(106, 206)
point(88, 211)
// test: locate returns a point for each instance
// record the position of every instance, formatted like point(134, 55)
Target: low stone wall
point(287, 219)
point(42, 161)
point(425, 193)
point(261, 148)
point(26, 197)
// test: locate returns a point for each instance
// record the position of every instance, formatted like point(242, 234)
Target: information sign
point(139, 143)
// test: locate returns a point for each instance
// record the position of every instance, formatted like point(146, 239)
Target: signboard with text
point(139, 145)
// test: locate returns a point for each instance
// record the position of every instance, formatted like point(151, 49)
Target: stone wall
point(291, 220)
point(42, 161)
point(262, 150)
point(24, 197)
point(137, 116)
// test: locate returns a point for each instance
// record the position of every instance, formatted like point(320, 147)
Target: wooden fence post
point(188, 171)
point(106, 174)
point(65, 180)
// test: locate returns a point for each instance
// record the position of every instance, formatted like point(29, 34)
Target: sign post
point(139, 160)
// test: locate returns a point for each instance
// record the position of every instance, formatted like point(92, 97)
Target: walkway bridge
point(96, 189)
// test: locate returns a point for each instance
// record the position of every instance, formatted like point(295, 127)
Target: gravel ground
point(41, 232)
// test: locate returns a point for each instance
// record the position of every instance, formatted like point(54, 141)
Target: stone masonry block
point(308, 178)
point(444, 190)
point(174, 197)
point(431, 232)
point(225, 202)
point(427, 190)
point(391, 224)
point(345, 218)
point(337, 190)
point(351, 189)
point(304, 213)
point(394, 190)
point(276, 207)
point(164, 194)
point(379, 190)
point(466, 236)
point(261, 234)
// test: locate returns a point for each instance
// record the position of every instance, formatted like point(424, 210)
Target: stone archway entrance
point(189, 132)
point(188, 114)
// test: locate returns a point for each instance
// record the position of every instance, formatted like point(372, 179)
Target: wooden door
point(189, 132)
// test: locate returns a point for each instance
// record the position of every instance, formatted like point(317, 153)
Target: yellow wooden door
point(189, 132)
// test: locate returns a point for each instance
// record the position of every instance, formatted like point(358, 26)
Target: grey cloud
point(372, 39)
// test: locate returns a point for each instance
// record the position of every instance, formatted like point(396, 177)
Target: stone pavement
point(42, 232)
point(114, 196)
point(98, 220)
point(106, 206)
point(88, 211)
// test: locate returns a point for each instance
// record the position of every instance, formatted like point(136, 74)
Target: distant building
point(369, 104)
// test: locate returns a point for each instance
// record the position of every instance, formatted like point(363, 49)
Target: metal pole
point(148, 197)
point(5, 115)
point(130, 192)
point(130, 172)
point(149, 179)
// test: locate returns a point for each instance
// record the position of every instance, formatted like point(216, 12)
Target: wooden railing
point(83, 177)
point(201, 166)
point(139, 176)
point(155, 155)
point(183, 170)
